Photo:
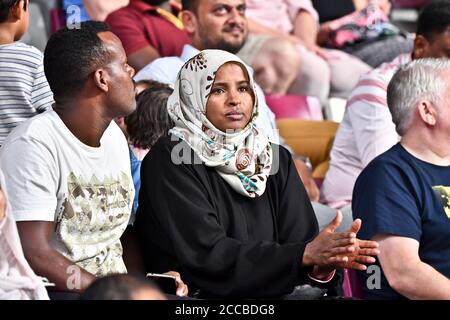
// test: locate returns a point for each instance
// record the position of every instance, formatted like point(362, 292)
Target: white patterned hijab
point(243, 157)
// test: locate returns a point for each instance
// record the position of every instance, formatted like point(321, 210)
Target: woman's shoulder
point(281, 163)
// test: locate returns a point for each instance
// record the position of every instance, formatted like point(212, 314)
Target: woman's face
point(230, 102)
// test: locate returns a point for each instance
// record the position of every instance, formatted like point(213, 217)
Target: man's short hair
point(6, 6)
point(71, 55)
point(419, 79)
point(190, 5)
point(434, 19)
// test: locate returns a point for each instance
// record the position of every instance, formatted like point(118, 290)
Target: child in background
point(146, 125)
point(24, 89)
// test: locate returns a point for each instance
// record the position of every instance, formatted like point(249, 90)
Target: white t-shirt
point(52, 176)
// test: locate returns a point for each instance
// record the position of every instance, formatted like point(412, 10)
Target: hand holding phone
point(167, 283)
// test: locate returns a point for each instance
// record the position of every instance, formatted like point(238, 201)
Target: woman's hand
point(331, 250)
point(182, 289)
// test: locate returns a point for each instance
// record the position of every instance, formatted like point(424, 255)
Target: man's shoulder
point(387, 162)
point(124, 12)
point(386, 71)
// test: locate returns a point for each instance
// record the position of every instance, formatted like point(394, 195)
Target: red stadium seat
point(57, 19)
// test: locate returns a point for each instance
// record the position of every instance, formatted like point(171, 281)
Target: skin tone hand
point(330, 250)
point(182, 288)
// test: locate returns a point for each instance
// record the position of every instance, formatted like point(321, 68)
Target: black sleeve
point(209, 259)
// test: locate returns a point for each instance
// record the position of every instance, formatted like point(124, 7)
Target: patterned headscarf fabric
point(242, 157)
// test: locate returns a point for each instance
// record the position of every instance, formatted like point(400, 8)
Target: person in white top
point(68, 170)
point(367, 129)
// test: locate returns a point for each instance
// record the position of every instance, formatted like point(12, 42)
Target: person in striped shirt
point(367, 129)
point(24, 91)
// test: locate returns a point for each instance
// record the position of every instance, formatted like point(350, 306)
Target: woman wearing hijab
point(226, 208)
point(17, 280)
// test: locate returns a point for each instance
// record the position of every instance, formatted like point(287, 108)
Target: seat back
point(352, 284)
point(292, 106)
point(312, 139)
point(57, 19)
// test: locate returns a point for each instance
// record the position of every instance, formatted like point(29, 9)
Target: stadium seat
point(292, 106)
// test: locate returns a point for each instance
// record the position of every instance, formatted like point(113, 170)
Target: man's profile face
point(437, 47)
point(121, 91)
point(221, 24)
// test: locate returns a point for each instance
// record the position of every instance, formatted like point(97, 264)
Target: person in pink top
point(17, 279)
point(322, 71)
point(367, 129)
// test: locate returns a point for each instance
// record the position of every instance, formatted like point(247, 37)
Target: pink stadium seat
point(291, 106)
point(57, 19)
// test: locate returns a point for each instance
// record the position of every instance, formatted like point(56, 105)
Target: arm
point(306, 28)
point(371, 120)
point(142, 57)
point(406, 273)
point(328, 249)
point(136, 43)
point(45, 261)
point(32, 187)
point(259, 28)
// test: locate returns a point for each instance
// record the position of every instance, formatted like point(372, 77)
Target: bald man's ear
point(189, 21)
point(427, 112)
point(420, 47)
point(101, 79)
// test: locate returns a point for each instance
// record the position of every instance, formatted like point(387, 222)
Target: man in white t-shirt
point(67, 170)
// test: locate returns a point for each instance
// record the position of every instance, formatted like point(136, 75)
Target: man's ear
point(421, 46)
point(101, 79)
point(427, 112)
point(189, 21)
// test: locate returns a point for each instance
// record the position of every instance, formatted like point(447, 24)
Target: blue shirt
point(401, 195)
point(136, 174)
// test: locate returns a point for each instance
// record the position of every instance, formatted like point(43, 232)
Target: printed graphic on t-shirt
point(93, 217)
point(443, 193)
